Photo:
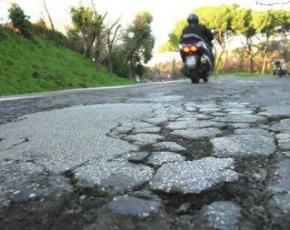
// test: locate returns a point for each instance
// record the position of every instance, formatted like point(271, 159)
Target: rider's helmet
point(277, 63)
point(193, 19)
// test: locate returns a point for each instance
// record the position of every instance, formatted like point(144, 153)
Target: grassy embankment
point(39, 65)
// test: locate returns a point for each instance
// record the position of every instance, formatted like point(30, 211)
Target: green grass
point(57, 67)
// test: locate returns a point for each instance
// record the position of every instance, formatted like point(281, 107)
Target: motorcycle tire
point(205, 78)
point(194, 77)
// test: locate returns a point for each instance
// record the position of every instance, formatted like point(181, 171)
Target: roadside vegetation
point(40, 65)
point(36, 57)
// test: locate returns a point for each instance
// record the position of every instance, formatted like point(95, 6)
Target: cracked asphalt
point(155, 156)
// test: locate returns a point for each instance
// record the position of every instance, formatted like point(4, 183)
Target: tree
point(90, 25)
point(220, 19)
point(40, 23)
point(282, 21)
point(20, 21)
point(264, 24)
point(242, 25)
point(120, 64)
point(174, 37)
point(48, 15)
point(257, 27)
point(112, 34)
point(138, 42)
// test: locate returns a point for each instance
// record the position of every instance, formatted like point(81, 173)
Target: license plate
point(191, 61)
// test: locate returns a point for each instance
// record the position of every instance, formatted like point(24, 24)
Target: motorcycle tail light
point(186, 49)
point(193, 48)
point(189, 49)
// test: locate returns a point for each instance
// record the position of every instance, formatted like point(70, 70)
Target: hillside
point(34, 66)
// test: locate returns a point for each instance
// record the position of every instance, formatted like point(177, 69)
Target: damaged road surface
point(157, 156)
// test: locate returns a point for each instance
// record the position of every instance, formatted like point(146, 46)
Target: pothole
point(194, 149)
point(174, 201)
point(247, 192)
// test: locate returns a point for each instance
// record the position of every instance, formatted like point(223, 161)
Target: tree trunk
point(110, 61)
point(264, 53)
point(219, 60)
point(264, 65)
point(97, 53)
point(268, 69)
point(110, 43)
point(48, 15)
point(87, 47)
point(251, 58)
point(92, 52)
point(97, 58)
point(88, 51)
point(132, 65)
point(241, 65)
point(225, 61)
point(251, 64)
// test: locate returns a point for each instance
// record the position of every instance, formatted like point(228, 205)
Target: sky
point(165, 12)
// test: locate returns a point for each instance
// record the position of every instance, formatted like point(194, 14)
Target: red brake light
point(188, 49)
point(193, 48)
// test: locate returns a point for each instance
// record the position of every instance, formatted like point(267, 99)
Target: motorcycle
point(197, 64)
point(279, 68)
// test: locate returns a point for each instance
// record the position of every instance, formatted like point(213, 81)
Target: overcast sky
point(165, 12)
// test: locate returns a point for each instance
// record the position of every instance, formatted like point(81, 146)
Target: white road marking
point(38, 95)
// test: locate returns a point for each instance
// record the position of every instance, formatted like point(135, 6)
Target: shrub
point(20, 21)
point(58, 38)
point(75, 41)
point(2, 32)
point(120, 64)
point(121, 67)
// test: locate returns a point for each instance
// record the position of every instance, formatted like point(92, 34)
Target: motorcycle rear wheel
point(194, 77)
point(205, 78)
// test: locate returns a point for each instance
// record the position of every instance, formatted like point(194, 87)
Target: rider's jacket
point(198, 30)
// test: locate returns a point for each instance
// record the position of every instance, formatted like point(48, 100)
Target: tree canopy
point(20, 21)
point(138, 41)
point(90, 25)
point(238, 20)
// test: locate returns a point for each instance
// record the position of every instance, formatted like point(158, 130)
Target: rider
point(279, 66)
point(194, 28)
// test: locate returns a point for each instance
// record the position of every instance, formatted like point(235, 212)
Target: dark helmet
point(193, 19)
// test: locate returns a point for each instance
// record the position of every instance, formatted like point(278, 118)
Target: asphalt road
point(169, 156)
